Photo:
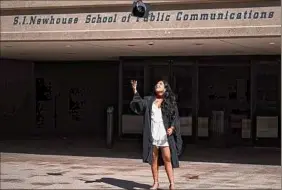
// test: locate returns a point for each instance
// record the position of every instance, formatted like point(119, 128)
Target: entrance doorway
point(225, 90)
point(181, 77)
point(211, 92)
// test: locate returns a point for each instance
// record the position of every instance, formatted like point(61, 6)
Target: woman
point(162, 143)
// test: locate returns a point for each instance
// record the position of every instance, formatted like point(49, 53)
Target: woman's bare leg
point(168, 166)
point(155, 167)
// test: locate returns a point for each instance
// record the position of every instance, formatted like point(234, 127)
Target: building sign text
point(161, 16)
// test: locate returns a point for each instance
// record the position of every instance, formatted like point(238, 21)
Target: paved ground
point(121, 168)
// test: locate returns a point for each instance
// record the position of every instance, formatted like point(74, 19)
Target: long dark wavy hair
point(169, 104)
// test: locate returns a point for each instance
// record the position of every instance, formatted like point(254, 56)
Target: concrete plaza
point(121, 168)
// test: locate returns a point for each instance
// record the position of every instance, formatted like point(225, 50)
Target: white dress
point(158, 131)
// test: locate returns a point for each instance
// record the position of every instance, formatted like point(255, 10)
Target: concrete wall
point(10, 4)
point(16, 97)
point(206, 20)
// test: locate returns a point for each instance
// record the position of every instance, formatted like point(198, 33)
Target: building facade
point(64, 62)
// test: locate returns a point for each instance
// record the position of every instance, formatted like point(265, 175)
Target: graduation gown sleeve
point(138, 105)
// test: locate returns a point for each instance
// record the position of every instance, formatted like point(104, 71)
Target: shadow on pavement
point(133, 150)
point(120, 183)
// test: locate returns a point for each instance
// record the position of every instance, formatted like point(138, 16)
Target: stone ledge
point(271, 31)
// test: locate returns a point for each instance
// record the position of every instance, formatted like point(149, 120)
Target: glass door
point(267, 115)
point(182, 85)
point(224, 98)
point(131, 125)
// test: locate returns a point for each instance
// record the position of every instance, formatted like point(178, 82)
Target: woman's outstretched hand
point(134, 86)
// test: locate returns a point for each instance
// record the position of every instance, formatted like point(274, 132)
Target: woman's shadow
point(124, 184)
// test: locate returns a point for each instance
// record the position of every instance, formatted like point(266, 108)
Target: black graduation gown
point(144, 107)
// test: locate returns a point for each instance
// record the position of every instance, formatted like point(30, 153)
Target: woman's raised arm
point(138, 104)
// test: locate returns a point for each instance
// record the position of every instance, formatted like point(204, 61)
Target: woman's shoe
point(171, 186)
point(155, 186)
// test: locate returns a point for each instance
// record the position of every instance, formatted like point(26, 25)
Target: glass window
point(267, 93)
point(131, 73)
point(182, 82)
